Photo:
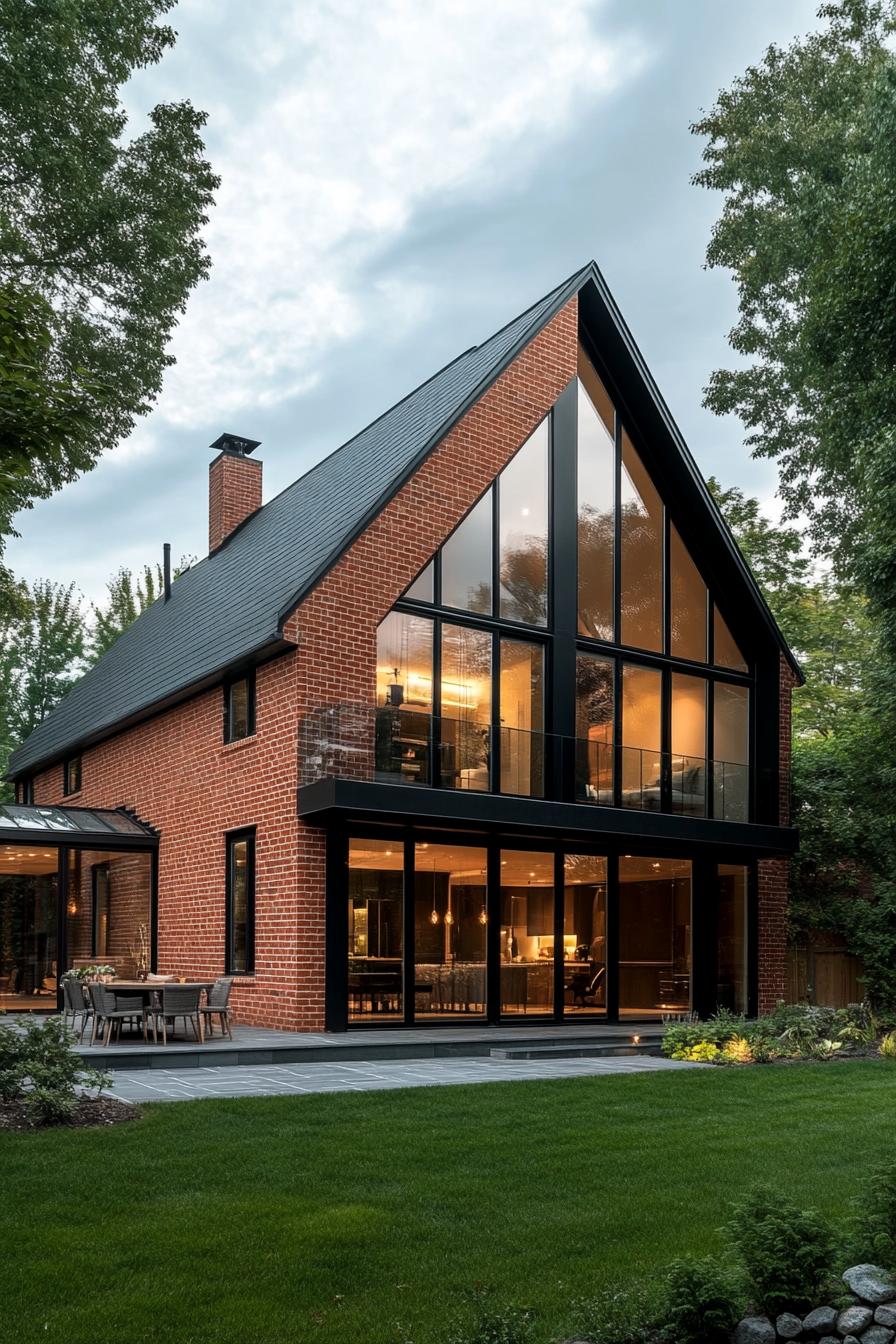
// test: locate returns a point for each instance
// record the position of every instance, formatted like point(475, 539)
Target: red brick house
point(484, 718)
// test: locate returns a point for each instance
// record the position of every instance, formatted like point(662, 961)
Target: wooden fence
point(824, 974)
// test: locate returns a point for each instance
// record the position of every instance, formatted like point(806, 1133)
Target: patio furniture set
point(144, 1003)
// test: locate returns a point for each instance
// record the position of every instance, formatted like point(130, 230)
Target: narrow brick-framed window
point(239, 707)
point(71, 775)
point(25, 791)
point(239, 919)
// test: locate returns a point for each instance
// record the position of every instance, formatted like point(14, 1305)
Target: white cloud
point(357, 115)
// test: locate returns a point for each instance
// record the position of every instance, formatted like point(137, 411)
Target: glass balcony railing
point(396, 745)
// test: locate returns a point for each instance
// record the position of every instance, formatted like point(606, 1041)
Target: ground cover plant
point(409, 1217)
point(792, 1031)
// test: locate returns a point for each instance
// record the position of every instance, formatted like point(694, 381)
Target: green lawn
point(370, 1218)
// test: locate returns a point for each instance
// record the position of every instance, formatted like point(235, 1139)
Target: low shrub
point(628, 1316)
point(786, 1251)
point(874, 1226)
point(510, 1325)
point(738, 1051)
point(888, 1045)
point(39, 1068)
point(703, 1302)
point(704, 1052)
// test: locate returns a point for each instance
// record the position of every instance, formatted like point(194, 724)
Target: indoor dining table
point(146, 988)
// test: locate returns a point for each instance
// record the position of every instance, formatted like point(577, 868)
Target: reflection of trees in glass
point(595, 552)
point(524, 582)
point(641, 578)
point(594, 698)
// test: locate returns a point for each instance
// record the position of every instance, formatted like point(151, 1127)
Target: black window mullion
point(559, 912)
point(409, 957)
point(493, 932)
point(612, 961)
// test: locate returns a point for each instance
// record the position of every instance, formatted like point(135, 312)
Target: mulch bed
point(91, 1112)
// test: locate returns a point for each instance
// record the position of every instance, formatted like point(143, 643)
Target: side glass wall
point(731, 752)
point(450, 922)
point(732, 912)
point(108, 909)
point(29, 968)
point(375, 930)
point(654, 936)
point(584, 935)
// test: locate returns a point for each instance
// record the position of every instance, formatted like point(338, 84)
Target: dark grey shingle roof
point(229, 607)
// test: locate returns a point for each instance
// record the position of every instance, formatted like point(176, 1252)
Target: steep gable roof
point(229, 609)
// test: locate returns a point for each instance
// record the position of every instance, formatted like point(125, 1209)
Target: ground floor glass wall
point(107, 918)
point(451, 930)
point(29, 924)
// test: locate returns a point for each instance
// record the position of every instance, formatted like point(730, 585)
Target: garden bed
point(88, 1112)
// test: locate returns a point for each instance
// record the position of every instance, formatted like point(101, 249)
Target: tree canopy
point(803, 146)
point(100, 235)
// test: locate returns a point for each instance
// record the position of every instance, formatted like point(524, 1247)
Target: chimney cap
point(235, 444)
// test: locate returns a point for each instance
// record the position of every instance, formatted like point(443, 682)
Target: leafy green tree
point(825, 622)
point(41, 655)
point(100, 235)
point(803, 145)
point(127, 597)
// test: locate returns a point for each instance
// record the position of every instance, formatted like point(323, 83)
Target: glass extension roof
point(72, 826)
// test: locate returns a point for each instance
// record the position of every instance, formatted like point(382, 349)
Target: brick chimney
point(234, 486)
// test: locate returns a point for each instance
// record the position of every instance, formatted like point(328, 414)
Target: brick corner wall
point(774, 874)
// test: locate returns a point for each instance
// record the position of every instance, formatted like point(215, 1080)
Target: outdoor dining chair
point(218, 999)
point(76, 1005)
point(112, 1009)
point(178, 1001)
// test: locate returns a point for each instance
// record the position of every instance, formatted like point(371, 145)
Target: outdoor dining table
point(150, 987)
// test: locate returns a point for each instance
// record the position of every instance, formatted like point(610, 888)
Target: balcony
point(398, 746)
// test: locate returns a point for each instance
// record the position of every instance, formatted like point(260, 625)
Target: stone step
point(607, 1049)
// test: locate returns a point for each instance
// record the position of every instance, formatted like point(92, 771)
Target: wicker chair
point(179, 1001)
point(76, 1005)
point(217, 1006)
point(112, 1009)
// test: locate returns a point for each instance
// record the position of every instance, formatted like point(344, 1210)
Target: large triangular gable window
point(495, 563)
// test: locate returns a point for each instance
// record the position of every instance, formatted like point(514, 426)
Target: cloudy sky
point(398, 180)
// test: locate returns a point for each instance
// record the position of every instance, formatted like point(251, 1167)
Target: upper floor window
point(495, 563)
point(240, 903)
point(25, 791)
point(71, 775)
point(239, 708)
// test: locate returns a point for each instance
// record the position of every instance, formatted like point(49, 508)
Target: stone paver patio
point(275, 1080)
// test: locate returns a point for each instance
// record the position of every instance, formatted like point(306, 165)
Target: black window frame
point(231, 839)
point(25, 791)
point(249, 678)
point(97, 871)
point(70, 763)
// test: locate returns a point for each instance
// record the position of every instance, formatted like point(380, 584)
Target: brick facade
point(774, 873)
point(175, 772)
